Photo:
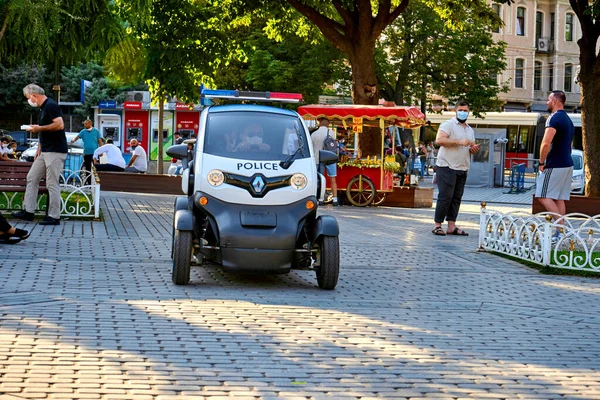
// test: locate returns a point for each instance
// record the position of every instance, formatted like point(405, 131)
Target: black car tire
point(328, 270)
point(182, 257)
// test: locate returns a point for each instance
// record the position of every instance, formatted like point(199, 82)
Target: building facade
point(542, 53)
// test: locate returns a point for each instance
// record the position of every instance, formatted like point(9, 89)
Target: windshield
point(577, 161)
point(254, 136)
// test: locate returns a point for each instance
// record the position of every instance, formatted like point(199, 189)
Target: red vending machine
point(186, 121)
point(136, 125)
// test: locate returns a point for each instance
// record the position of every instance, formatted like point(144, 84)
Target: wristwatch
point(541, 164)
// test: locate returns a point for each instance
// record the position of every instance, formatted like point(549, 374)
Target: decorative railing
point(534, 238)
point(79, 197)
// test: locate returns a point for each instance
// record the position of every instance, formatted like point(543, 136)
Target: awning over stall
point(408, 117)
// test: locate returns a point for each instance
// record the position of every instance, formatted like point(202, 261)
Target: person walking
point(139, 162)
point(430, 157)
point(91, 141)
point(318, 139)
point(553, 185)
point(49, 158)
point(9, 234)
point(457, 142)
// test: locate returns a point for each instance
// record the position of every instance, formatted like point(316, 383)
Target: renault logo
point(258, 184)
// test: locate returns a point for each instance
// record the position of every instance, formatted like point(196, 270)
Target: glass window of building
point(568, 77)
point(551, 78)
point(519, 63)
point(520, 21)
point(539, 25)
point(537, 76)
point(496, 8)
point(569, 28)
point(552, 22)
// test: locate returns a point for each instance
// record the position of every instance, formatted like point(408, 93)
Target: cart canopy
point(407, 117)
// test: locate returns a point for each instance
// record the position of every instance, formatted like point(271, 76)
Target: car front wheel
point(328, 256)
point(182, 257)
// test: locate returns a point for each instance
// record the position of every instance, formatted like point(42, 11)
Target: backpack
point(331, 144)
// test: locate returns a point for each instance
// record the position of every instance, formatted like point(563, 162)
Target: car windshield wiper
point(285, 164)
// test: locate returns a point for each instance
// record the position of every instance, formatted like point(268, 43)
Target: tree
point(170, 46)
point(57, 32)
point(420, 54)
point(294, 64)
point(589, 80)
point(13, 80)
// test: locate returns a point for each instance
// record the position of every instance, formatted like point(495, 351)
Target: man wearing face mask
point(457, 142)
point(4, 149)
point(49, 159)
point(91, 141)
point(139, 162)
point(553, 185)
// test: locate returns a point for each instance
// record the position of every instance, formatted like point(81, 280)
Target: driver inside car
point(251, 139)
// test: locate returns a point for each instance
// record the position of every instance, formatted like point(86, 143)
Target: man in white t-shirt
point(114, 158)
point(318, 139)
point(139, 162)
point(457, 142)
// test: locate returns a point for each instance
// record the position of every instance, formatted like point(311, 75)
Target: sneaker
point(24, 215)
point(335, 203)
point(48, 220)
point(557, 237)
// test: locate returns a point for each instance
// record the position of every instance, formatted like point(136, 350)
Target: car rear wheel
point(328, 256)
point(182, 257)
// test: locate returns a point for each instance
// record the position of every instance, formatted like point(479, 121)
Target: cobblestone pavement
point(88, 311)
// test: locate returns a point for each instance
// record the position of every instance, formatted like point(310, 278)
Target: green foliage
point(58, 31)
point(13, 80)
point(72, 76)
point(296, 64)
point(423, 53)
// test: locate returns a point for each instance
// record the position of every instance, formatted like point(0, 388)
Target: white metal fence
point(79, 198)
point(571, 241)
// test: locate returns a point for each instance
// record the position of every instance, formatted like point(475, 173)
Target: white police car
point(252, 194)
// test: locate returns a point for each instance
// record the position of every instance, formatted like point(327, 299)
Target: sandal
point(438, 231)
point(458, 232)
point(6, 238)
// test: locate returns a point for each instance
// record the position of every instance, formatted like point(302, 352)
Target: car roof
point(251, 108)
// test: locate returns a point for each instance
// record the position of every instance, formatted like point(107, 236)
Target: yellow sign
point(357, 125)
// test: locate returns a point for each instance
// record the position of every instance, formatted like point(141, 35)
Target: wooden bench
point(139, 183)
point(13, 178)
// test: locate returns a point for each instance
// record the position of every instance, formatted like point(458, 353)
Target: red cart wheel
point(360, 191)
point(379, 198)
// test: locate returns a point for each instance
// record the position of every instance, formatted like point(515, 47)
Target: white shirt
point(140, 163)
point(455, 157)
point(318, 138)
point(113, 155)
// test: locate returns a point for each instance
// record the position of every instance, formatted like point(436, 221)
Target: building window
point(568, 77)
point(519, 72)
point(569, 28)
point(539, 25)
point(520, 21)
point(551, 78)
point(552, 23)
point(537, 77)
point(496, 8)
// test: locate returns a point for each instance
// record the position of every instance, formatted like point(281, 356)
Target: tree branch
point(385, 16)
point(4, 24)
point(365, 13)
point(349, 18)
point(331, 29)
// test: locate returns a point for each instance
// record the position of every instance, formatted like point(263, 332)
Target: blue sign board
point(107, 104)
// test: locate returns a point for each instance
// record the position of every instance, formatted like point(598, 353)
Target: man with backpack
point(324, 139)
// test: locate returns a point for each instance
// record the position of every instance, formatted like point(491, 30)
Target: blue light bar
point(253, 96)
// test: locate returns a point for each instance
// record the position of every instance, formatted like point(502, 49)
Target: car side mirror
point(180, 152)
point(327, 157)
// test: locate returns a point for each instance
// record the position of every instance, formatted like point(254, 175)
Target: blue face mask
point(462, 116)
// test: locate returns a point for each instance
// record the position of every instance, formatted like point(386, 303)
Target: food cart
point(366, 180)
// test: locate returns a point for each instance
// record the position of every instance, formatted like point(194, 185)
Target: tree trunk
point(161, 117)
point(590, 122)
point(365, 91)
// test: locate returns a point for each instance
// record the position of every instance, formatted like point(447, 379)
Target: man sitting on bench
point(114, 158)
point(139, 162)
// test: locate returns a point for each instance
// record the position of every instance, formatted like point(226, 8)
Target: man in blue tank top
point(553, 185)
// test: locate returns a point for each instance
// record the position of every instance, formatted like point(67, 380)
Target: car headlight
point(216, 177)
point(298, 181)
point(577, 178)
